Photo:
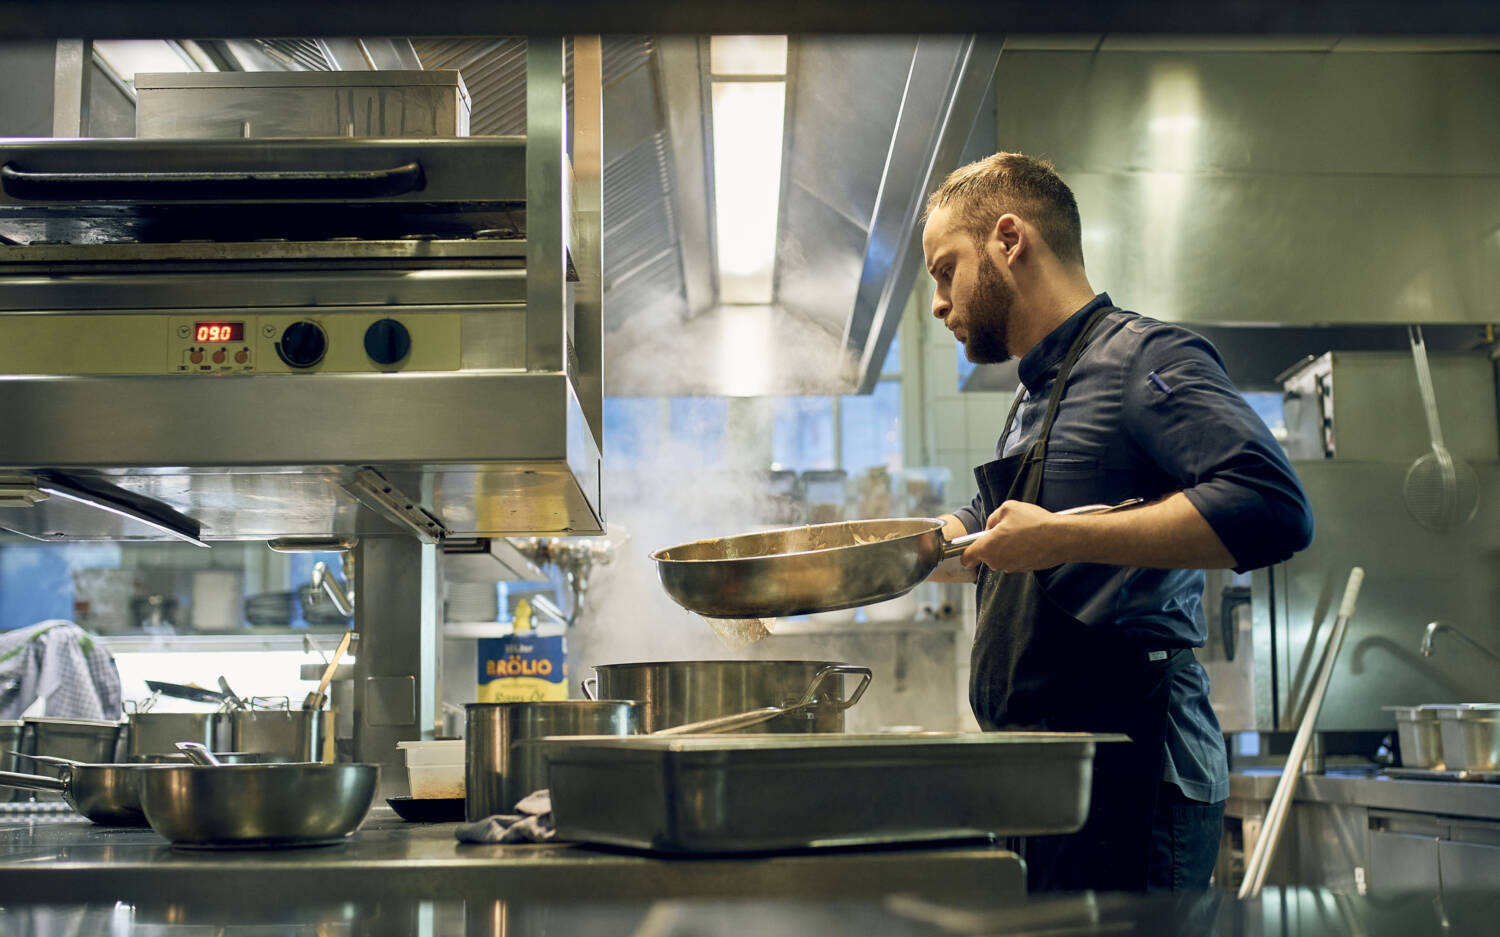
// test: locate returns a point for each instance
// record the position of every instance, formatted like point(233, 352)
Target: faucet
point(1433, 627)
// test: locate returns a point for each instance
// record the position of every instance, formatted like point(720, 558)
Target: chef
point(1087, 622)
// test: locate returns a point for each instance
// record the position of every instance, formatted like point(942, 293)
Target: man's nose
point(940, 306)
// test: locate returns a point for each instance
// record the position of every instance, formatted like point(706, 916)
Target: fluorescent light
point(745, 350)
point(747, 55)
point(747, 118)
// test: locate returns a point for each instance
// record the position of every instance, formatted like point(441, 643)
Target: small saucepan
point(109, 795)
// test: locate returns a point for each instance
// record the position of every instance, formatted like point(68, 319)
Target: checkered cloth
point(57, 661)
point(531, 823)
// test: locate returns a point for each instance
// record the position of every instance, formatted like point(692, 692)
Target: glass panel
point(802, 433)
point(892, 363)
point(632, 430)
point(697, 428)
point(871, 429)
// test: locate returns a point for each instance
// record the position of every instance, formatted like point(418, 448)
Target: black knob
point(387, 341)
point(302, 344)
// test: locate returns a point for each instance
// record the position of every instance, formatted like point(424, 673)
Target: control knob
point(387, 341)
point(302, 344)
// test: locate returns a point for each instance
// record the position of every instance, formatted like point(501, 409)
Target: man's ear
point(1008, 237)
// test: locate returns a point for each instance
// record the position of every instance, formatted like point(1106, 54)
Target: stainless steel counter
point(1450, 798)
point(1291, 912)
point(389, 859)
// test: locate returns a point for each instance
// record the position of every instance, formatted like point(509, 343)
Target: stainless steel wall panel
point(202, 105)
point(1413, 576)
point(1244, 188)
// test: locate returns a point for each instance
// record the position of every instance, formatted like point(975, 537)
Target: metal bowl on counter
point(1419, 736)
point(257, 806)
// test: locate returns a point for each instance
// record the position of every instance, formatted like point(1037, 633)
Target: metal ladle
point(1441, 492)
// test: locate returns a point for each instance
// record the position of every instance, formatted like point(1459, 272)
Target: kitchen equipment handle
point(50, 759)
point(216, 185)
point(590, 687)
point(199, 753)
point(316, 699)
point(811, 696)
point(957, 545)
point(1264, 849)
point(32, 782)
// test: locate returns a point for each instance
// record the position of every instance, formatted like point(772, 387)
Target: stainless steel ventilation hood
point(872, 125)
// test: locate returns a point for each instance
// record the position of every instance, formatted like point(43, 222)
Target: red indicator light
point(219, 332)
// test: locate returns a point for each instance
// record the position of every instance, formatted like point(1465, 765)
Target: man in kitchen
point(1087, 621)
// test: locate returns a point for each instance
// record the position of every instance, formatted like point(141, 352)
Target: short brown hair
point(982, 191)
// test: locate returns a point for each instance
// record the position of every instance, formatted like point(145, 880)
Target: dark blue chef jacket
point(1149, 410)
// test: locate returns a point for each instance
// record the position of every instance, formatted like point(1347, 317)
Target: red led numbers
point(219, 332)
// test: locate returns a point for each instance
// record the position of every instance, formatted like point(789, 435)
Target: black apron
point(1035, 666)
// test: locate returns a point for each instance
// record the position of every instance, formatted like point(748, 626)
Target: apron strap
point(1038, 451)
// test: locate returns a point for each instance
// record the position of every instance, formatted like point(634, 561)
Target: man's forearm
point(952, 570)
point(1167, 534)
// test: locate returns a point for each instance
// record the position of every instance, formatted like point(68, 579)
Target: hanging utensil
point(1441, 491)
point(817, 568)
point(318, 697)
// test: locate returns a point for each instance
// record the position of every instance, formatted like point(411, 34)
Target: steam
point(741, 351)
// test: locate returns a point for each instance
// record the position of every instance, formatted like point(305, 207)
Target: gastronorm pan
point(761, 793)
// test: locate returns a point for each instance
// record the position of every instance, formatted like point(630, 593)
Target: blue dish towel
point(57, 661)
point(531, 823)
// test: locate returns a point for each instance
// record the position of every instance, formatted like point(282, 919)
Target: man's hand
point(1167, 534)
point(1020, 537)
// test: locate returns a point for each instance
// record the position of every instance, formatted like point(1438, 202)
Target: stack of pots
point(632, 699)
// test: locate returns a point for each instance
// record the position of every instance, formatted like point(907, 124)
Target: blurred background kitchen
point(768, 359)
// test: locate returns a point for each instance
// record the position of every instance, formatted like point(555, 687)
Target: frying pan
point(817, 568)
point(257, 806)
point(106, 794)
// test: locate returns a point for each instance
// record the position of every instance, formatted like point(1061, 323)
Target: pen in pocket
point(1161, 385)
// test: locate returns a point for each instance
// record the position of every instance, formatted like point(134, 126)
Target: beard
point(988, 316)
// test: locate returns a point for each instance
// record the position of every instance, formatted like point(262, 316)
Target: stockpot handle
point(590, 687)
point(957, 545)
point(766, 713)
point(832, 670)
point(211, 185)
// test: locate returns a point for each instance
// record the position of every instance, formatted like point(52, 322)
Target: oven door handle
point(219, 185)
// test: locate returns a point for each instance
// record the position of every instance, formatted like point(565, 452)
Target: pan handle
point(32, 782)
point(590, 687)
point(957, 545)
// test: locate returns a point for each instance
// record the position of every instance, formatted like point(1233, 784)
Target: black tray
point(428, 809)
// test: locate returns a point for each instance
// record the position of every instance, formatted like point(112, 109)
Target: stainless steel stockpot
point(497, 773)
point(158, 733)
point(674, 693)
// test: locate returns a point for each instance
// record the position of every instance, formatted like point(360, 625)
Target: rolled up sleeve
point(1185, 414)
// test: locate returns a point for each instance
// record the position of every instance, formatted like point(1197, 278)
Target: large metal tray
point(759, 793)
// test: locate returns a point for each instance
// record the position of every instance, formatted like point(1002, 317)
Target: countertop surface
point(1277, 912)
point(1476, 799)
point(388, 858)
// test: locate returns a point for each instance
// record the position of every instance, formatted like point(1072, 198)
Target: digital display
point(219, 332)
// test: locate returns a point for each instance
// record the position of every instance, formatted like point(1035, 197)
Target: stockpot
point(674, 693)
point(152, 733)
point(496, 776)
